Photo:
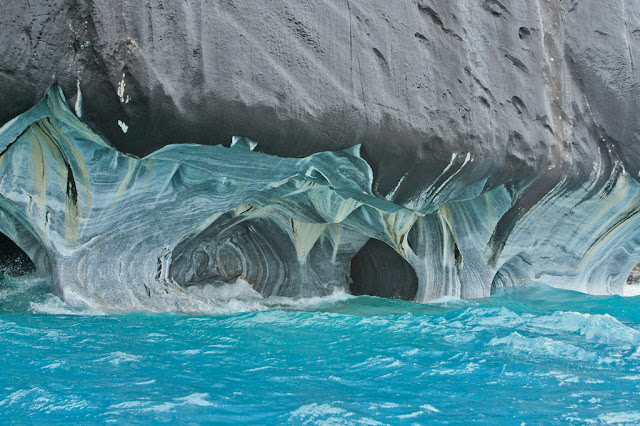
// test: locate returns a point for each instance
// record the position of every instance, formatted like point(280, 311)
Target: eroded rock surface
point(529, 89)
point(499, 138)
point(158, 233)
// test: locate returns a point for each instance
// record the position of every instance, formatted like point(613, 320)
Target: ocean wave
point(546, 347)
point(53, 305)
point(327, 414)
point(329, 361)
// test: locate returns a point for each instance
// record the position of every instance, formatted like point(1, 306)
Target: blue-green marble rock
point(159, 233)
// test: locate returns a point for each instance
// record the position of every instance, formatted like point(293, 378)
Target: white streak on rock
point(123, 126)
point(120, 90)
point(78, 105)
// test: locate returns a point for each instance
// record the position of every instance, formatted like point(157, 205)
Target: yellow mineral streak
point(334, 232)
point(150, 165)
point(39, 174)
point(447, 216)
point(397, 226)
point(52, 153)
point(619, 192)
point(122, 188)
point(45, 131)
point(331, 206)
point(305, 236)
point(80, 166)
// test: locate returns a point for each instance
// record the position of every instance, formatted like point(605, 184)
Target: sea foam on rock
point(126, 233)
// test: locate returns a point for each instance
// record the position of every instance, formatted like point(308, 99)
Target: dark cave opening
point(13, 260)
point(378, 270)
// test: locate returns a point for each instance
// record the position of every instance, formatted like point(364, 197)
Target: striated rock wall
point(506, 130)
point(527, 88)
point(163, 232)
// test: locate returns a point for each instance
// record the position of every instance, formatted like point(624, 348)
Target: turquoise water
point(532, 355)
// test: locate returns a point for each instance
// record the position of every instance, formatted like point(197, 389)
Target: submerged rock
point(499, 145)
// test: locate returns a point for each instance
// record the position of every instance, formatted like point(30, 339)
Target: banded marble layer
point(154, 233)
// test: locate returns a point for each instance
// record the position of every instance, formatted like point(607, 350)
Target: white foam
point(116, 358)
point(450, 300)
point(239, 297)
point(633, 377)
point(38, 398)
point(161, 408)
point(623, 417)
point(307, 302)
point(411, 415)
point(240, 289)
point(199, 399)
point(545, 347)
point(326, 414)
point(226, 299)
point(129, 404)
point(72, 403)
point(430, 408)
point(320, 414)
point(15, 287)
point(52, 366)
point(53, 305)
point(389, 405)
point(266, 367)
point(631, 290)
point(595, 328)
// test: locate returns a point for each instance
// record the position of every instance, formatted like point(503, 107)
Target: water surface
point(533, 354)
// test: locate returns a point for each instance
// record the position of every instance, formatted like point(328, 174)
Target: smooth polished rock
point(499, 144)
point(129, 234)
point(518, 93)
point(158, 233)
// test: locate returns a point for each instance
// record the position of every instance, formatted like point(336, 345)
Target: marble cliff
point(408, 149)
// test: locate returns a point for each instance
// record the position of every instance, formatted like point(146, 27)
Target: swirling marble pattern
point(129, 234)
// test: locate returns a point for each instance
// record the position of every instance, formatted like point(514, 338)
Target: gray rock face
point(528, 88)
point(507, 129)
point(165, 231)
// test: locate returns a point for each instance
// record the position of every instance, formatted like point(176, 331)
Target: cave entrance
point(378, 270)
point(13, 260)
point(255, 250)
